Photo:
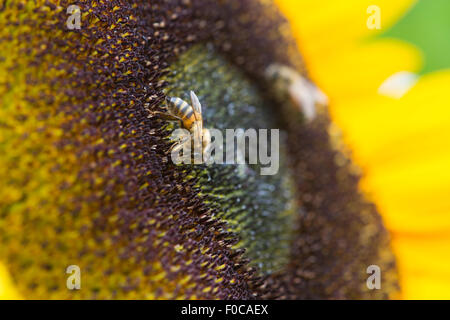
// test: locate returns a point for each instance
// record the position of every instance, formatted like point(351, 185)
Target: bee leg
point(167, 116)
point(175, 147)
point(179, 136)
point(175, 151)
point(207, 152)
point(180, 141)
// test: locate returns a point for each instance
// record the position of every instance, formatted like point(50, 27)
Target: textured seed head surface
point(86, 180)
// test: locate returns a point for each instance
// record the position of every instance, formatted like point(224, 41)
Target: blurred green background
point(427, 26)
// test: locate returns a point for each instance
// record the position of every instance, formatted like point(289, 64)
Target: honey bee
point(302, 92)
point(190, 118)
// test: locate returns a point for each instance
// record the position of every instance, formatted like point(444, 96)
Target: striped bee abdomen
point(180, 108)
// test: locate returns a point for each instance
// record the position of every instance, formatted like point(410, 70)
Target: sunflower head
point(87, 180)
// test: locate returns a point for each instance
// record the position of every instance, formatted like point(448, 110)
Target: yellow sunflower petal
point(359, 72)
point(7, 289)
point(330, 35)
point(404, 147)
point(326, 26)
point(424, 263)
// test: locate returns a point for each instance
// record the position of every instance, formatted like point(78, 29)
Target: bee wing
point(197, 114)
point(196, 105)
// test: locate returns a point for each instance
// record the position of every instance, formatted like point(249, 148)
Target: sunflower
point(399, 136)
point(84, 165)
